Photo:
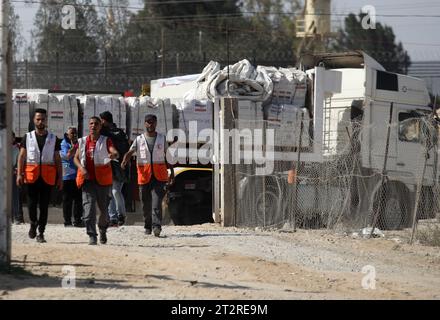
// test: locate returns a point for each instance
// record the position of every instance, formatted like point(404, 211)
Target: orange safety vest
point(149, 164)
point(40, 163)
point(103, 168)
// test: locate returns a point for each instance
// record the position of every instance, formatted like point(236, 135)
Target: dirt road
point(211, 262)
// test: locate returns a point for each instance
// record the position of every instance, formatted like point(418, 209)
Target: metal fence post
point(5, 137)
point(384, 172)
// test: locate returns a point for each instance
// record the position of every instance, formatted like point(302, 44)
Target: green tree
point(115, 18)
point(250, 28)
point(73, 44)
point(17, 39)
point(180, 23)
point(380, 43)
point(270, 28)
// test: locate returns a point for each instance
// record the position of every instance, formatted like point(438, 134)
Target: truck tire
point(426, 207)
point(395, 206)
point(268, 206)
point(257, 208)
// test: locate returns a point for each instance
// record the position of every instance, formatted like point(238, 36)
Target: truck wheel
point(268, 206)
point(394, 207)
point(426, 206)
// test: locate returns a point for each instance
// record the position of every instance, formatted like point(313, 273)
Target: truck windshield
point(410, 126)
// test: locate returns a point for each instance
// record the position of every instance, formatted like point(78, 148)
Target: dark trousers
point(38, 197)
point(72, 198)
point(151, 195)
point(94, 195)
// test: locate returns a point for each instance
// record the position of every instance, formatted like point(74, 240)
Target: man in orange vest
point(152, 169)
point(95, 177)
point(39, 167)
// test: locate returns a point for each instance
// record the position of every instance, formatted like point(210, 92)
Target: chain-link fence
point(359, 184)
point(116, 72)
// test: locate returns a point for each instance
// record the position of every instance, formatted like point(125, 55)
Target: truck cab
point(383, 122)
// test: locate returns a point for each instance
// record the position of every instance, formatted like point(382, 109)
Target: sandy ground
point(211, 262)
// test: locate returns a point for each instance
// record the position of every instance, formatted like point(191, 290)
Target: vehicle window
point(409, 127)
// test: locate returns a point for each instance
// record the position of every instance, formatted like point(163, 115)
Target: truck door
point(376, 127)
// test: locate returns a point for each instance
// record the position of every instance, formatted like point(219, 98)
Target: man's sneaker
point(103, 237)
point(156, 231)
point(147, 231)
point(93, 241)
point(40, 238)
point(33, 231)
point(68, 225)
point(121, 220)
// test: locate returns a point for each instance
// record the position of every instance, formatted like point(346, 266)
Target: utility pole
point(26, 71)
point(314, 26)
point(200, 42)
point(177, 63)
point(162, 52)
point(105, 65)
point(57, 69)
point(5, 137)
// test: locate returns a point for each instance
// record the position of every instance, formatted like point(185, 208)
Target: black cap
point(150, 117)
point(107, 116)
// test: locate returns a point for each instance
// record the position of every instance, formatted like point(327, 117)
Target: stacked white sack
point(289, 85)
point(55, 111)
point(138, 108)
point(195, 116)
point(241, 81)
point(117, 107)
point(88, 108)
point(285, 119)
point(21, 115)
point(69, 104)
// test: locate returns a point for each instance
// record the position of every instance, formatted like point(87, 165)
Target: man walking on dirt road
point(39, 167)
point(152, 168)
point(120, 142)
point(95, 177)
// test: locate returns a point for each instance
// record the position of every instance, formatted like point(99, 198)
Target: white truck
point(380, 124)
point(379, 121)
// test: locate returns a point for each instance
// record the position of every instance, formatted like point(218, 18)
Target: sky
point(419, 35)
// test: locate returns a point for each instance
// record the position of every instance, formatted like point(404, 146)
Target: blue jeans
point(117, 203)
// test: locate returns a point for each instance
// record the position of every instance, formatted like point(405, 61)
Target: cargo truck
point(345, 91)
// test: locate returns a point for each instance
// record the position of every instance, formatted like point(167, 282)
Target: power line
point(117, 7)
point(231, 14)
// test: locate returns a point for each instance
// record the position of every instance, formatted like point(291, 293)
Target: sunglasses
point(150, 121)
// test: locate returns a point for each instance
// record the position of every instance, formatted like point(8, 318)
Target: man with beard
point(152, 168)
point(39, 167)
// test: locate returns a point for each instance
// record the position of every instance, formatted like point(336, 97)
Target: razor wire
point(348, 191)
